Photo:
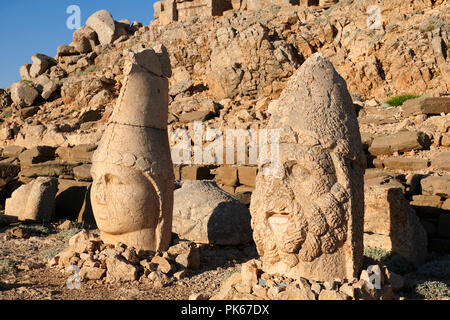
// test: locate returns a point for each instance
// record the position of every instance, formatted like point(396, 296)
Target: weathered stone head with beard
point(307, 212)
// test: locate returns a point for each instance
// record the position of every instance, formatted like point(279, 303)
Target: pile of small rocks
point(119, 263)
point(251, 283)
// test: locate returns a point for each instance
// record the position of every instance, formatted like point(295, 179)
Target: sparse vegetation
point(439, 268)
point(7, 265)
point(399, 100)
point(229, 273)
point(7, 113)
point(51, 253)
point(432, 289)
point(394, 262)
point(65, 235)
point(91, 69)
point(275, 9)
point(434, 22)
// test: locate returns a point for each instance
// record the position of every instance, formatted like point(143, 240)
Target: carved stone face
point(303, 215)
point(123, 199)
point(308, 218)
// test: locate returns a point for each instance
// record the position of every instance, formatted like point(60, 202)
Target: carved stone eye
point(300, 172)
point(112, 179)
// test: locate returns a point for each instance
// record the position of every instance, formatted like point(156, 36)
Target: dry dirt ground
point(24, 275)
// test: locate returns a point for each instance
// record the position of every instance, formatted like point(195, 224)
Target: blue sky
point(30, 26)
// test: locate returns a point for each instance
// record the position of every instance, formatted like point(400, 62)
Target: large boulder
point(104, 25)
point(34, 201)
point(392, 225)
point(46, 86)
point(85, 39)
point(23, 94)
point(204, 213)
point(41, 63)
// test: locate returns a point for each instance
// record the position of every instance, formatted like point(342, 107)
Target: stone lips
point(308, 217)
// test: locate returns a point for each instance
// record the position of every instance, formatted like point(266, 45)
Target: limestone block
point(389, 217)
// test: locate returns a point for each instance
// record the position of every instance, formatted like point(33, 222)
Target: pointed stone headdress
point(141, 106)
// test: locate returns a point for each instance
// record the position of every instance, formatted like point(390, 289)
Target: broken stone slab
point(436, 185)
point(53, 168)
point(407, 163)
point(23, 94)
point(34, 201)
point(92, 273)
point(200, 115)
point(204, 213)
point(81, 153)
point(83, 172)
point(426, 105)
point(181, 87)
point(247, 175)
point(41, 63)
point(227, 175)
point(402, 141)
point(427, 206)
point(36, 155)
point(441, 161)
point(389, 219)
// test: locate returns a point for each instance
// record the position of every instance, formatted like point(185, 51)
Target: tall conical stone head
point(307, 214)
point(132, 191)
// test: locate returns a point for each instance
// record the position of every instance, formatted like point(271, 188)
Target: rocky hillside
point(227, 71)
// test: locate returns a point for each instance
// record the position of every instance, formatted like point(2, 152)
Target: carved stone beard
point(306, 233)
point(301, 225)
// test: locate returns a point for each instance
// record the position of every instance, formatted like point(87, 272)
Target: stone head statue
point(132, 191)
point(307, 216)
